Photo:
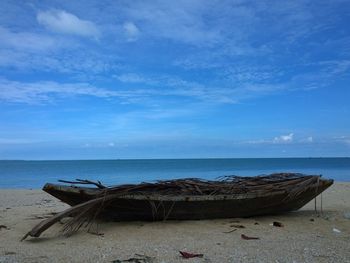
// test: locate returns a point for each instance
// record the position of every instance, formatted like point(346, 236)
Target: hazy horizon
point(190, 158)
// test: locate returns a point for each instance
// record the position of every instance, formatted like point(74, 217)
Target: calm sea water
point(34, 174)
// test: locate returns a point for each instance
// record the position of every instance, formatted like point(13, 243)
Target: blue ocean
point(34, 174)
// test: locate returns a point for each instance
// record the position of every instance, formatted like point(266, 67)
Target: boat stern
point(323, 184)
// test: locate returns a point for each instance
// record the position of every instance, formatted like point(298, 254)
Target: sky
point(174, 79)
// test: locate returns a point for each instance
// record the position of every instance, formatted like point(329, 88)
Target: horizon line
point(194, 158)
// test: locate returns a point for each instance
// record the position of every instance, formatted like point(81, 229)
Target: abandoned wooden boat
point(182, 199)
point(185, 199)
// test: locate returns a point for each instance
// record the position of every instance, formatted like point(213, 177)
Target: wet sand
point(306, 236)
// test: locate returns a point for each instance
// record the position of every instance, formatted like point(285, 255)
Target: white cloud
point(16, 141)
point(47, 91)
point(310, 139)
point(83, 63)
point(136, 78)
point(284, 138)
point(63, 22)
point(280, 139)
point(26, 41)
point(147, 89)
point(131, 31)
point(342, 139)
point(336, 66)
point(180, 21)
point(260, 141)
point(172, 85)
point(44, 52)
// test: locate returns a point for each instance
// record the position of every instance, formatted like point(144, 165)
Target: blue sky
point(174, 79)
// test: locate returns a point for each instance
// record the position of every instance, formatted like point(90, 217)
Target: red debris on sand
point(243, 236)
point(190, 255)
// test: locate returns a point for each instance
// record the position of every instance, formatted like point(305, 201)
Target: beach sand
point(306, 236)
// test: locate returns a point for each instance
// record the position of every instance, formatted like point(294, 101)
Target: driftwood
point(83, 214)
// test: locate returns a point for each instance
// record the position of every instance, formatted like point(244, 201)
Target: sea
point(34, 174)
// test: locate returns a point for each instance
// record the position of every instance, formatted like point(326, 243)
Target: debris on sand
point(190, 255)
point(347, 215)
point(4, 227)
point(136, 259)
point(237, 226)
point(277, 224)
point(229, 231)
point(243, 236)
point(336, 230)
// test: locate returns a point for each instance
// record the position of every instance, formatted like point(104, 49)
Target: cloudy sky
point(174, 79)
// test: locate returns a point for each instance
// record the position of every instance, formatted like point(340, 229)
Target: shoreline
point(306, 236)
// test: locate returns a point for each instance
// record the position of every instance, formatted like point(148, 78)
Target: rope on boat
point(321, 198)
point(169, 211)
point(315, 205)
point(318, 184)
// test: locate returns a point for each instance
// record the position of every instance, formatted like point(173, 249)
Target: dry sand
point(305, 237)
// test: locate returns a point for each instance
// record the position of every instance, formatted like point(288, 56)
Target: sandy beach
point(306, 236)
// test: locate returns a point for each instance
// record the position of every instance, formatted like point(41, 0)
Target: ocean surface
point(34, 174)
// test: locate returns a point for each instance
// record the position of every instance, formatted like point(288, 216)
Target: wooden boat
point(186, 199)
point(182, 199)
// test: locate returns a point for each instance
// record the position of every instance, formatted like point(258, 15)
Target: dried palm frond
point(83, 214)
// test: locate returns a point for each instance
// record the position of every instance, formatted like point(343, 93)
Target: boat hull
point(155, 207)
